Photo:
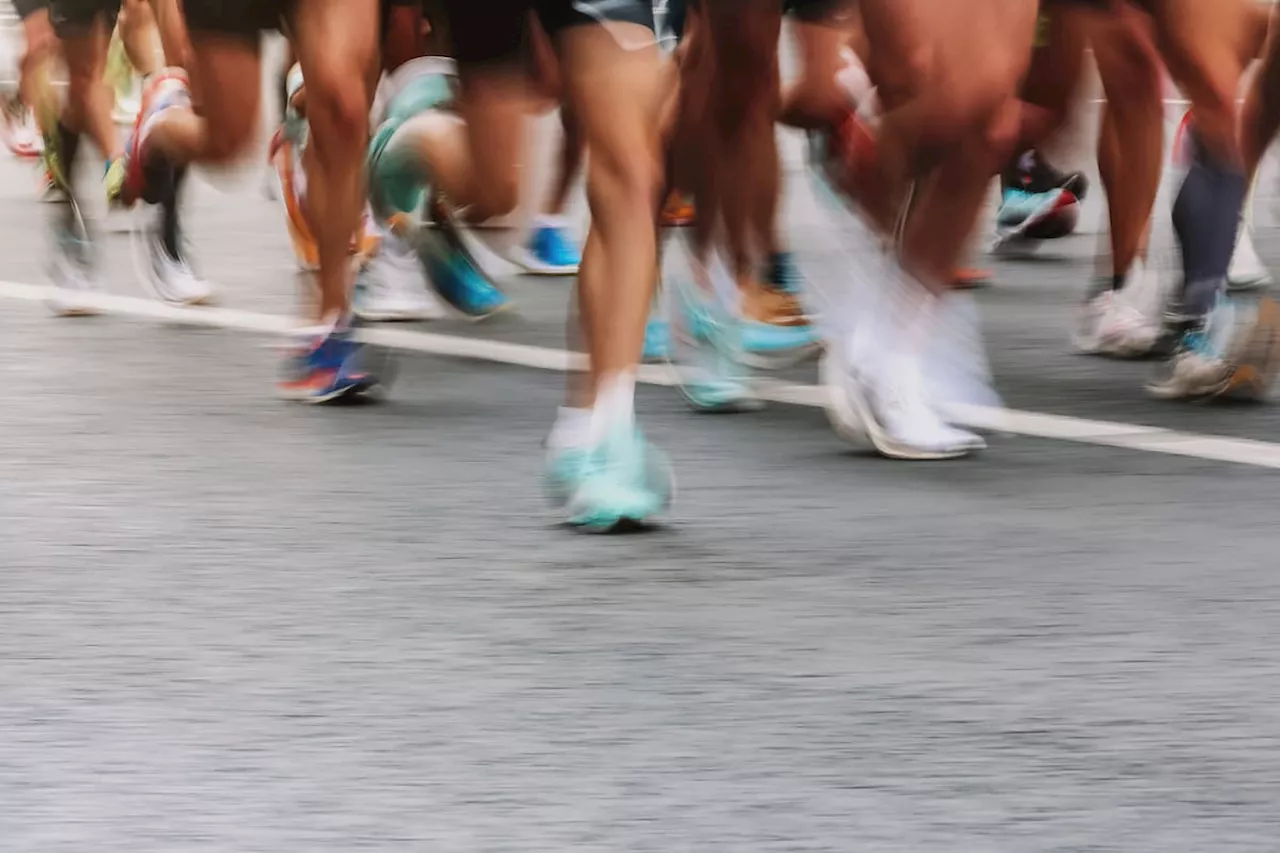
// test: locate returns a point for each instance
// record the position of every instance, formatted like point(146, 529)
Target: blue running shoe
point(455, 275)
point(622, 483)
point(657, 340)
point(549, 252)
point(327, 369)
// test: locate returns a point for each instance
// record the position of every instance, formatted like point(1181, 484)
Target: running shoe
point(622, 482)
point(454, 273)
point(712, 365)
point(1124, 322)
point(775, 328)
point(1029, 217)
point(331, 367)
point(677, 210)
point(968, 278)
point(170, 275)
point(657, 339)
point(1233, 352)
point(21, 133)
point(392, 287)
point(1031, 173)
point(550, 251)
point(71, 265)
point(884, 403)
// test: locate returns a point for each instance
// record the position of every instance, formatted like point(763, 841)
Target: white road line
point(1259, 454)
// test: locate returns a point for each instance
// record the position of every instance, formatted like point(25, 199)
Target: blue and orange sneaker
point(328, 368)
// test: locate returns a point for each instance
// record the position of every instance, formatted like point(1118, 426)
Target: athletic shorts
point(809, 11)
point(814, 11)
point(27, 8)
point(494, 32)
point(250, 17)
point(236, 17)
point(76, 17)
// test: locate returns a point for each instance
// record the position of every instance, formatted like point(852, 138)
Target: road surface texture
point(232, 624)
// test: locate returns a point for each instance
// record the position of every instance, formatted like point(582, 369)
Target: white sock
point(615, 405)
point(572, 429)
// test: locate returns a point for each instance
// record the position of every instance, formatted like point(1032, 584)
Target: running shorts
point(494, 32)
point(814, 11)
point(27, 8)
point(76, 17)
point(250, 17)
point(808, 11)
point(236, 17)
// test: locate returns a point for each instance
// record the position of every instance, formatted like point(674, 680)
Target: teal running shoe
point(657, 340)
point(621, 484)
point(714, 377)
point(563, 472)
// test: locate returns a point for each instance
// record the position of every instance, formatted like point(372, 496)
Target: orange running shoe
point(678, 210)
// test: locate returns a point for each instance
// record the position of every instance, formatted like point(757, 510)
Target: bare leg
point(1131, 144)
point(336, 41)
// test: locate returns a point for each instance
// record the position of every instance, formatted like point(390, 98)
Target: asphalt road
point(232, 624)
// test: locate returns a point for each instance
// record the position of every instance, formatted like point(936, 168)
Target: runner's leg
point(1131, 142)
point(85, 26)
point(614, 81)
point(139, 34)
point(1260, 115)
point(550, 248)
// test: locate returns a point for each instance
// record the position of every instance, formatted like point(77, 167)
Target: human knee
point(630, 173)
point(338, 110)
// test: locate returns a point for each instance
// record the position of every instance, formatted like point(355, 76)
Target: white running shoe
point(76, 288)
point(1247, 270)
point(72, 266)
point(393, 286)
point(888, 407)
point(171, 278)
point(1122, 323)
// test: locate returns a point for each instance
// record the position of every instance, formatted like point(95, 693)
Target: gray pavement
point(230, 624)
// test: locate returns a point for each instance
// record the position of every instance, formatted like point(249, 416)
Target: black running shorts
point(236, 17)
point(27, 8)
point(76, 17)
point(815, 11)
point(489, 32)
point(808, 11)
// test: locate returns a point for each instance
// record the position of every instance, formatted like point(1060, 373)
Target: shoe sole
point(852, 419)
point(781, 359)
point(58, 311)
point(357, 390)
point(527, 262)
point(398, 316)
